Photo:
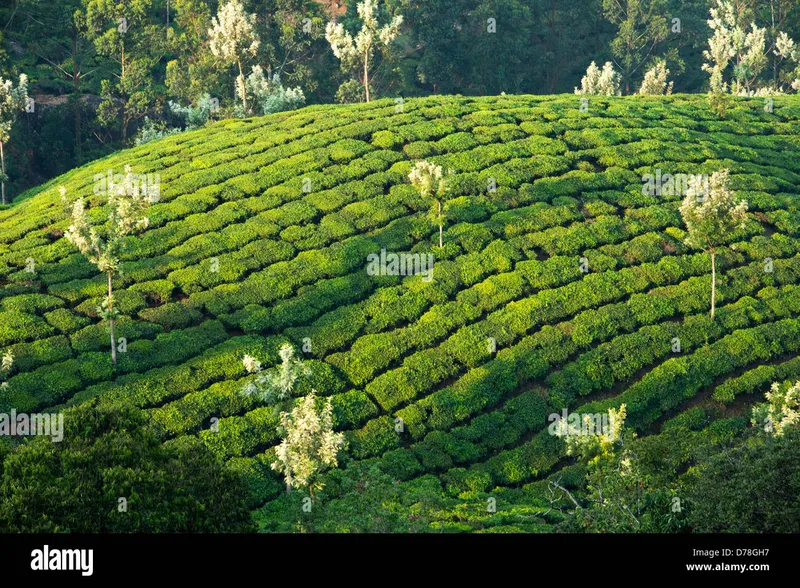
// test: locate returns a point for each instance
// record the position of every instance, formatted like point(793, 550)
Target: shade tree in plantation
point(233, 40)
point(599, 82)
point(780, 411)
point(428, 179)
point(269, 94)
point(6, 365)
point(655, 81)
point(641, 26)
point(711, 211)
point(592, 443)
point(126, 208)
point(355, 52)
point(309, 445)
point(13, 99)
point(269, 386)
point(616, 496)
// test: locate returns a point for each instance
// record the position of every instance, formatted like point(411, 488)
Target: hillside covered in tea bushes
point(261, 237)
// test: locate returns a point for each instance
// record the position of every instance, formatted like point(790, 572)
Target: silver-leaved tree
point(355, 52)
point(711, 211)
point(6, 364)
point(309, 445)
point(233, 40)
point(428, 179)
point(104, 246)
point(273, 386)
point(13, 100)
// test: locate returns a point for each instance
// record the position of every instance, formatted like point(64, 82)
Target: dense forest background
point(93, 89)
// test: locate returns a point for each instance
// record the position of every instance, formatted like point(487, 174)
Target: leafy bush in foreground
point(110, 473)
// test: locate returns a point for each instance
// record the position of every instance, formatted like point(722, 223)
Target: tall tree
point(192, 72)
point(740, 44)
point(711, 211)
point(126, 215)
point(12, 101)
point(123, 32)
point(52, 33)
point(233, 39)
point(497, 37)
point(641, 26)
point(356, 52)
point(293, 45)
point(437, 43)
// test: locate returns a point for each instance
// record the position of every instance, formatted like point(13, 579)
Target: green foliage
point(107, 455)
point(723, 488)
point(442, 388)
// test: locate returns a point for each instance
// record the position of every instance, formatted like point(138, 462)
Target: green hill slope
point(262, 233)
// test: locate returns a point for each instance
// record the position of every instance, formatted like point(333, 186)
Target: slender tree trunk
point(240, 81)
point(125, 101)
point(3, 161)
point(366, 73)
point(76, 93)
point(111, 323)
point(713, 283)
point(552, 72)
point(78, 150)
point(441, 245)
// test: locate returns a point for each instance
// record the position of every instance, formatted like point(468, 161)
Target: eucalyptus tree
point(123, 32)
point(641, 27)
point(739, 45)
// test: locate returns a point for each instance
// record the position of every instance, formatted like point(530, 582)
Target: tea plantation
point(561, 284)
